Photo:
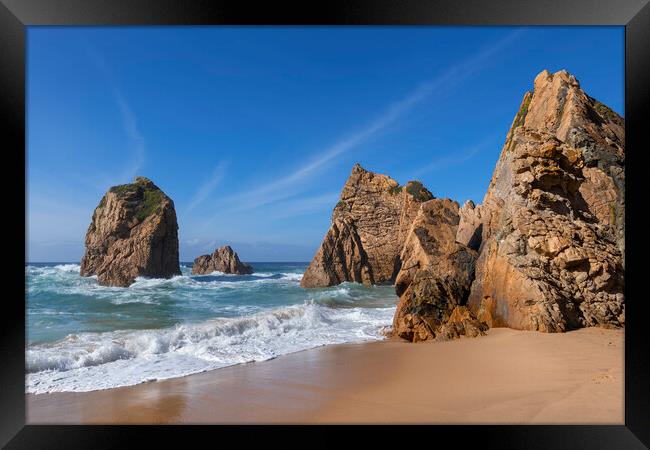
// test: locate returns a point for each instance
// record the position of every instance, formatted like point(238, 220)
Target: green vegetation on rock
point(124, 188)
point(152, 201)
point(340, 204)
point(520, 118)
point(394, 190)
point(523, 110)
point(417, 190)
point(605, 112)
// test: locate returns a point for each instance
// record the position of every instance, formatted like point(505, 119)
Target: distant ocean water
point(82, 336)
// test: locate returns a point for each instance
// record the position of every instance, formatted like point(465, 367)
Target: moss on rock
point(152, 201)
point(151, 198)
point(418, 191)
point(523, 110)
point(121, 189)
point(605, 112)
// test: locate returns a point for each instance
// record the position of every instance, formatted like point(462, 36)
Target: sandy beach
point(506, 377)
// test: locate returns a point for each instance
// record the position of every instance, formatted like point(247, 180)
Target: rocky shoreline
point(544, 251)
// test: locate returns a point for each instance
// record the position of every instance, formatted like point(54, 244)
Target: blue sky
point(252, 131)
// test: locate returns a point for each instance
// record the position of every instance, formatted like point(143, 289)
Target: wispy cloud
point(191, 242)
point(134, 135)
point(302, 206)
point(207, 187)
point(129, 120)
point(455, 158)
point(440, 83)
point(191, 248)
point(50, 218)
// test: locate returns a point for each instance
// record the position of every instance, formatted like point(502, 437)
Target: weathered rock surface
point(224, 260)
point(369, 226)
point(133, 233)
point(461, 322)
point(435, 278)
point(551, 227)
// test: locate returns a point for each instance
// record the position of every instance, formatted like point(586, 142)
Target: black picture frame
point(16, 15)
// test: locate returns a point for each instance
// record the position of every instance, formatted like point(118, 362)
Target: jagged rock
point(369, 226)
point(461, 322)
point(470, 227)
point(552, 220)
point(435, 277)
point(133, 233)
point(224, 260)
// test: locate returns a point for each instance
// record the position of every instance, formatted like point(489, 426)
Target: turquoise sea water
point(82, 336)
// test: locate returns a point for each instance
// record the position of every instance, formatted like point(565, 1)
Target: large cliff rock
point(551, 227)
point(369, 226)
point(435, 278)
point(133, 233)
point(224, 260)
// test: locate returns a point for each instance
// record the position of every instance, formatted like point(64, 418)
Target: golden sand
point(506, 377)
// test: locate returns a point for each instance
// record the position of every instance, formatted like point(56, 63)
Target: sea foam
point(90, 361)
point(83, 336)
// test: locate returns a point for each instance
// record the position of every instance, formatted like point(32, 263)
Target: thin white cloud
point(134, 135)
point(129, 120)
point(441, 83)
point(209, 246)
point(49, 218)
point(455, 158)
point(208, 187)
point(191, 248)
point(302, 206)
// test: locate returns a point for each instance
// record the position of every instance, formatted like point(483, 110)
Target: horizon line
point(180, 262)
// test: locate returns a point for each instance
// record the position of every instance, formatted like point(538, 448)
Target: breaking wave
point(90, 361)
point(83, 336)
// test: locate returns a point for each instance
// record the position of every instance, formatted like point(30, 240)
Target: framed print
point(413, 213)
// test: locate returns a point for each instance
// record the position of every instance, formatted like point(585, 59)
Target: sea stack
point(550, 229)
point(368, 230)
point(133, 233)
point(224, 260)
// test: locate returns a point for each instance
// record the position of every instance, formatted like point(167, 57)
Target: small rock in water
point(224, 260)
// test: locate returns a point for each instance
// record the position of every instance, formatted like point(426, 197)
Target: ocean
point(83, 337)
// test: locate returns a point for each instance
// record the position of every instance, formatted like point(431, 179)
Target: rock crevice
point(435, 279)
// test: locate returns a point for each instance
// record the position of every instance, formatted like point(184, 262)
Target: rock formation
point(133, 233)
point(544, 251)
point(224, 260)
point(369, 226)
point(550, 229)
point(435, 278)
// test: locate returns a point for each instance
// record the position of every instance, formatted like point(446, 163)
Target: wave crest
point(76, 362)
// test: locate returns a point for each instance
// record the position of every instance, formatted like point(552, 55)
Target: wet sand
point(506, 377)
